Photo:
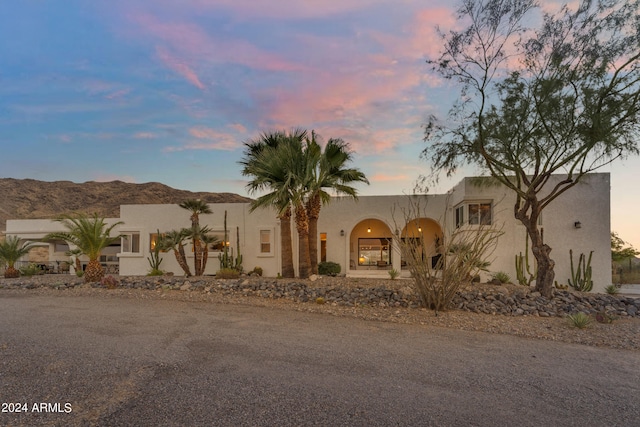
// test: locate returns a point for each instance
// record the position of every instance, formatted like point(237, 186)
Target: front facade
point(359, 235)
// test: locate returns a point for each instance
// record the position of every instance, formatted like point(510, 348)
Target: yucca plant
point(11, 250)
point(91, 235)
point(580, 320)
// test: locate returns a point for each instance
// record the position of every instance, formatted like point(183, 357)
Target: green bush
point(329, 268)
point(502, 277)
point(579, 320)
point(612, 289)
point(155, 272)
point(393, 274)
point(257, 271)
point(227, 273)
point(30, 270)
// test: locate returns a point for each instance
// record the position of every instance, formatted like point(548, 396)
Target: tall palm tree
point(270, 173)
point(175, 240)
point(196, 207)
point(10, 252)
point(89, 234)
point(330, 172)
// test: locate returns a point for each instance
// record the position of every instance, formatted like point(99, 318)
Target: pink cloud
point(276, 9)
point(179, 67)
point(192, 43)
point(381, 177)
point(211, 139)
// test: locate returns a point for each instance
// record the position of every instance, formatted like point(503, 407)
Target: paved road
point(125, 362)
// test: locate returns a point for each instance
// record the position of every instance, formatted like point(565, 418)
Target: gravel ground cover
point(506, 309)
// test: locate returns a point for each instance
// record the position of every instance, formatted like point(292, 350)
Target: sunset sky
point(168, 90)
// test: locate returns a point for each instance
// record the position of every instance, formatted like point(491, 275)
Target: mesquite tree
point(560, 99)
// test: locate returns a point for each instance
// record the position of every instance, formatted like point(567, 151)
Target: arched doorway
point(370, 246)
point(425, 234)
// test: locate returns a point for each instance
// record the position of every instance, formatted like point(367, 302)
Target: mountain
point(33, 199)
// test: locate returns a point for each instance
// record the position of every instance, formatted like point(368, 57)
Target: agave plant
point(90, 235)
point(11, 251)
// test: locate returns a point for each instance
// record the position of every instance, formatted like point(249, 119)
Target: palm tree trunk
point(313, 213)
point(197, 257)
point(287, 247)
point(94, 272)
point(205, 257)
point(11, 273)
point(182, 260)
point(302, 226)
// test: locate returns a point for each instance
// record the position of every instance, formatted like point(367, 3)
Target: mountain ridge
point(35, 199)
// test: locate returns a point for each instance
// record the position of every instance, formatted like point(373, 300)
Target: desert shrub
point(612, 289)
point(319, 300)
point(30, 270)
point(393, 274)
point(155, 272)
point(109, 282)
point(329, 268)
point(257, 271)
point(579, 320)
point(227, 273)
point(456, 258)
point(502, 277)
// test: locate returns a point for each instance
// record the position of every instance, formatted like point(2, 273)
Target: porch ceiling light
point(577, 224)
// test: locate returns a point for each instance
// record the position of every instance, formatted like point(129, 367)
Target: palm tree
point(196, 207)
point(329, 172)
point(89, 234)
point(10, 252)
point(175, 240)
point(271, 172)
point(200, 234)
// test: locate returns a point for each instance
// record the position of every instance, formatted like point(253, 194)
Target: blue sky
point(167, 90)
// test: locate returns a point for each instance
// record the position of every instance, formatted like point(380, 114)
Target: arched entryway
point(371, 246)
point(427, 234)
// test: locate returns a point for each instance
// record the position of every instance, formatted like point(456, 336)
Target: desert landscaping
point(499, 309)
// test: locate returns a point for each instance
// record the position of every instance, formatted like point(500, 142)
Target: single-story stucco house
point(359, 234)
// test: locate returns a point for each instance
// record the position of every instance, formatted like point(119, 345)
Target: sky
point(168, 90)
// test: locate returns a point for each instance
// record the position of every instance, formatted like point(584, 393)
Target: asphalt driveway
point(126, 362)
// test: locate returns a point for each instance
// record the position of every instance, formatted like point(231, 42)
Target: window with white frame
point(130, 243)
point(459, 216)
point(266, 245)
point(480, 213)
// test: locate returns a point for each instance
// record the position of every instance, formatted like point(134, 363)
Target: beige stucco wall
point(147, 219)
point(588, 202)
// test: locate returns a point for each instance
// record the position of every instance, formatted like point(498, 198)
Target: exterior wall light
point(577, 224)
point(342, 233)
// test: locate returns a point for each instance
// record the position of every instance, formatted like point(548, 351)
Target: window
point(459, 216)
point(265, 242)
point(61, 247)
point(131, 243)
point(218, 246)
point(153, 241)
point(323, 247)
point(374, 252)
point(480, 213)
